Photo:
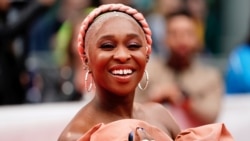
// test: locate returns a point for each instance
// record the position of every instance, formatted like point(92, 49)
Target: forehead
point(180, 22)
point(120, 20)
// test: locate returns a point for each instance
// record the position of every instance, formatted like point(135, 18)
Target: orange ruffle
point(120, 130)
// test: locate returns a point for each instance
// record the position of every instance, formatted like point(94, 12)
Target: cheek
point(141, 58)
point(171, 42)
point(98, 60)
point(193, 42)
point(97, 65)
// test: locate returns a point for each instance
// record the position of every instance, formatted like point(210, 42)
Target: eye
point(107, 46)
point(134, 46)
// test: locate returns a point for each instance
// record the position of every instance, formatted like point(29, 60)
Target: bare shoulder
point(159, 112)
point(76, 127)
point(160, 116)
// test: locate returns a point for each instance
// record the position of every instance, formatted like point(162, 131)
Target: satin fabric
point(121, 130)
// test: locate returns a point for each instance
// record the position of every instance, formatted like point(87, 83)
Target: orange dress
point(137, 130)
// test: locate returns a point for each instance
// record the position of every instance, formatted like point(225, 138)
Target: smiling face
point(116, 53)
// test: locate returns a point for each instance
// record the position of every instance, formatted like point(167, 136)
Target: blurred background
point(42, 77)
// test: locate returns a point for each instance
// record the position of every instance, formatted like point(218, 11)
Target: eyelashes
point(134, 46)
point(107, 46)
point(110, 46)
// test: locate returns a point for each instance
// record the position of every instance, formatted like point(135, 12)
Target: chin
point(123, 91)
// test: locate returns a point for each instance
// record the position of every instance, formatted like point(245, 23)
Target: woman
point(114, 45)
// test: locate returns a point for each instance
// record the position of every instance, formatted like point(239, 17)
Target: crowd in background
point(39, 61)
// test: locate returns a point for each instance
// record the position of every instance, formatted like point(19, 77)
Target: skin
point(183, 42)
point(114, 97)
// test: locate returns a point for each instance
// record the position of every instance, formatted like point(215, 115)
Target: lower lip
point(122, 79)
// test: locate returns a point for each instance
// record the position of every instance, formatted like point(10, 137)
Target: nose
point(122, 54)
point(183, 38)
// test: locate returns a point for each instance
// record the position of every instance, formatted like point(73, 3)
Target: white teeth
point(122, 72)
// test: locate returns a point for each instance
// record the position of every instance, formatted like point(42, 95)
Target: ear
point(83, 57)
point(147, 58)
point(85, 60)
point(148, 51)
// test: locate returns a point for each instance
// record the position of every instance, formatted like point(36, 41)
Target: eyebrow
point(130, 35)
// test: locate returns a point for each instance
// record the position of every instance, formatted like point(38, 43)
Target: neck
point(112, 104)
point(179, 63)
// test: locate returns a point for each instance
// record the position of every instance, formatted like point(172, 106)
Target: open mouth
point(122, 72)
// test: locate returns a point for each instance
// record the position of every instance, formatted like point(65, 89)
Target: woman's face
point(116, 54)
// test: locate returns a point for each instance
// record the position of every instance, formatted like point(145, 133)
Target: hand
point(139, 135)
point(166, 93)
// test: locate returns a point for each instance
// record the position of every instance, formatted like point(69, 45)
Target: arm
point(166, 93)
point(70, 136)
point(170, 122)
point(204, 107)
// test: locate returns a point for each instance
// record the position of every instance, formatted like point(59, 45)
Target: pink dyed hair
point(107, 8)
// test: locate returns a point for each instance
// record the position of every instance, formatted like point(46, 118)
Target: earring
point(147, 80)
point(85, 80)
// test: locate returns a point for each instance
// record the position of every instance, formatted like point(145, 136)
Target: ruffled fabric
point(210, 132)
point(127, 130)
